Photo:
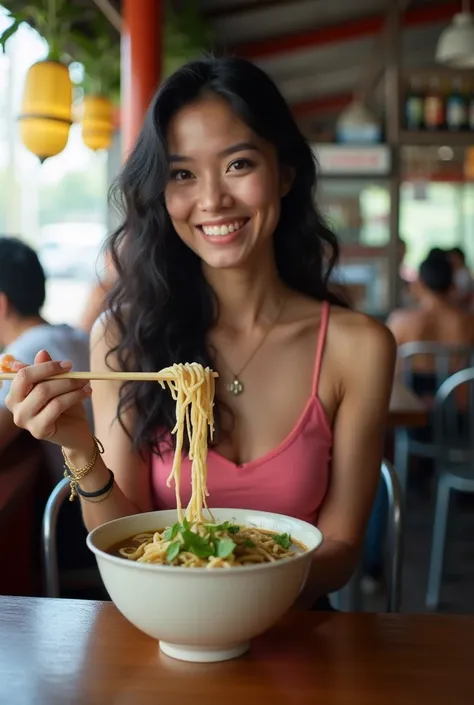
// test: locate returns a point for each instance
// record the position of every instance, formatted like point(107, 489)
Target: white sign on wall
point(345, 160)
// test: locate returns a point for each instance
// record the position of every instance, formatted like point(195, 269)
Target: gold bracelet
point(75, 474)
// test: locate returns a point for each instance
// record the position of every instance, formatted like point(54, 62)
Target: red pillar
point(142, 48)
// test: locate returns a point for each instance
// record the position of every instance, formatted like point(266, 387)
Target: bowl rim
point(179, 570)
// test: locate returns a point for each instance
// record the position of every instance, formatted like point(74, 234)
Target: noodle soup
point(208, 545)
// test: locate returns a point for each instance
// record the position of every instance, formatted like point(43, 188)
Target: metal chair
point(49, 548)
point(454, 466)
point(446, 358)
point(83, 577)
point(349, 598)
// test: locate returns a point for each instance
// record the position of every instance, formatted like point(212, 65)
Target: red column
point(142, 48)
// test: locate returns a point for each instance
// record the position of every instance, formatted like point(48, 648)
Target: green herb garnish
point(233, 529)
point(225, 526)
point(172, 551)
point(193, 543)
point(200, 546)
point(171, 531)
point(283, 540)
point(224, 548)
point(249, 544)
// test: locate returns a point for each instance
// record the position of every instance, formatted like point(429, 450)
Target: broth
point(286, 544)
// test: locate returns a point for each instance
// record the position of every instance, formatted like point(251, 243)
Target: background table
point(72, 652)
point(406, 408)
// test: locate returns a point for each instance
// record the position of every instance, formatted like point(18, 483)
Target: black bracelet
point(100, 492)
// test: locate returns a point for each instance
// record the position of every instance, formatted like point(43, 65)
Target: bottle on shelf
point(414, 105)
point(434, 108)
point(457, 107)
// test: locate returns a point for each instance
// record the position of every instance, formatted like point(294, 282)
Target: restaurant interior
point(383, 92)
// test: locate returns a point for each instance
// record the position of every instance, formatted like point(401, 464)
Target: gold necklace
point(236, 387)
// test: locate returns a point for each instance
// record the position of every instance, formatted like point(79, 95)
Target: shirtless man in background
point(436, 319)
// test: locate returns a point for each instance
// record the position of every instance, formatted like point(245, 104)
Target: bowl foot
point(204, 654)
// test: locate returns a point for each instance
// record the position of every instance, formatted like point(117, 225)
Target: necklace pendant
point(235, 387)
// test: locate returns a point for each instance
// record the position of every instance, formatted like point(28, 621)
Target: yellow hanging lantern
point(46, 109)
point(97, 122)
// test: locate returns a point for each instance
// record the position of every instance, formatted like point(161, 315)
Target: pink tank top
point(292, 479)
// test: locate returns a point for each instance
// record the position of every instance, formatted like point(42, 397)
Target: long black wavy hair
point(162, 306)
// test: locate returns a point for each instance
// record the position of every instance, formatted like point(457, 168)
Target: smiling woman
point(223, 259)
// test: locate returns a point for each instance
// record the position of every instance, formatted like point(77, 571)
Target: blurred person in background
point(435, 319)
point(463, 280)
point(23, 331)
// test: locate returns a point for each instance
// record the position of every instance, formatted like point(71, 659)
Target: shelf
point(436, 71)
point(437, 139)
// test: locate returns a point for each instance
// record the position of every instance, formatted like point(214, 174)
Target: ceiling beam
point(365, 27)
point(323, 104)
point(354, 29)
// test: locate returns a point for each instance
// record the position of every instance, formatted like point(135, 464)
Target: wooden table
point(73, 652)
point(406, 408)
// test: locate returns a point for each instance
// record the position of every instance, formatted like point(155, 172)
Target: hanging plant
point(54, 26)
point(99, 54)
point(186, 35)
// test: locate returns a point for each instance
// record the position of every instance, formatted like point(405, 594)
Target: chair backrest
point(49, 548)
point(447, 359)
point(454, 424)
point(349, 598)
point(395, 535)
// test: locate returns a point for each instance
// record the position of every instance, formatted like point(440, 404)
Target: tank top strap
point(323, 329)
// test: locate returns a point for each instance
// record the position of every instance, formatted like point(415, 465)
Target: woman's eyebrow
point(240, 147)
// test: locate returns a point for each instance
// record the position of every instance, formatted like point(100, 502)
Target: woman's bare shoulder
point(359, 340)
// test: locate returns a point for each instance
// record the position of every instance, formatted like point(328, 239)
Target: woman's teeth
point(219, 230)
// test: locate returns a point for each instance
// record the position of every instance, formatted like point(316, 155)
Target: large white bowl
point(200, 614)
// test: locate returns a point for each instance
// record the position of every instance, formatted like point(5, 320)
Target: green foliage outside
point(77, 196)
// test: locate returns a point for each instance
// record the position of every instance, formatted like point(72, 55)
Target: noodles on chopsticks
point(192, 387)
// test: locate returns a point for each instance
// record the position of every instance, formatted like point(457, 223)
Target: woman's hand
point(50, 410)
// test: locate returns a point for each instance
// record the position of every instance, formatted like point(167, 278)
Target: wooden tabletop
point(406, 408)
point(76, 652)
